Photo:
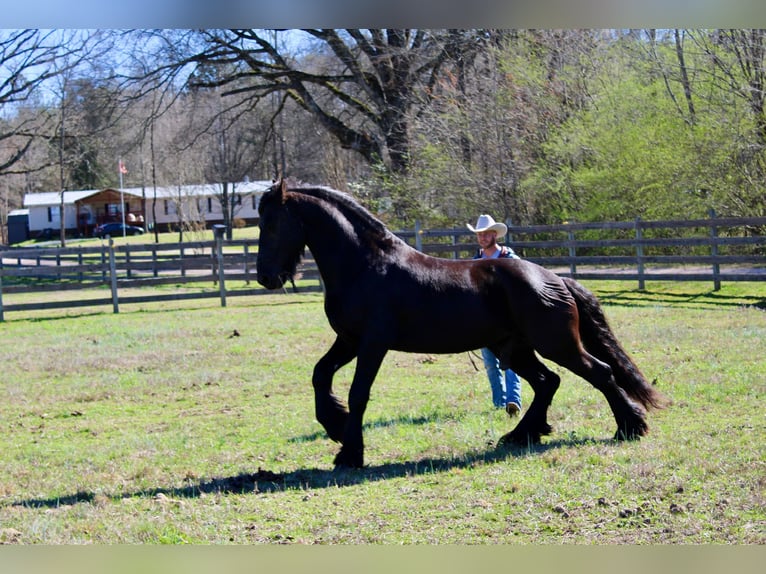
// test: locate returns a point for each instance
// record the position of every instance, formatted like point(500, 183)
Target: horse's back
point(540, 307)
point(524, 279)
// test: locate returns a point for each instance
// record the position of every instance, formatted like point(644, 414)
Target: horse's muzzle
point(270, 281)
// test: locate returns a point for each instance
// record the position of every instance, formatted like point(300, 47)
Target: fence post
point(640, 254)
point(154, 260)
point(127, 260)
point(572, 253)
point(246, 253)
point(214, 264)
point(509, 234)
point(714, 253)
point(103, 263)
point(418, 238)
point(218, 231)
point(113, 275)
point(2, 316)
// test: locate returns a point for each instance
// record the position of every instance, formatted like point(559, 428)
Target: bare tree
point(27, 60)
point(738, 59)
point(655, 48)
point(75, 50)
point(362, 86)
point(233, 149)
point(233, 137)
point(487, 128)
point(152, 101)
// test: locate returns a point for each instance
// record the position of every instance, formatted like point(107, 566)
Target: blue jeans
point(506, 386)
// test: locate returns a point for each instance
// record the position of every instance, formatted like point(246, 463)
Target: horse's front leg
point(329, 410)
point(367, 364)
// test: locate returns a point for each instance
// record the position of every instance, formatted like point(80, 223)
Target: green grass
point(159, 426)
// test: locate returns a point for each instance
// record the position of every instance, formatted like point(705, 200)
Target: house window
point(53, 213)
point(166, 207)
point(210, 205)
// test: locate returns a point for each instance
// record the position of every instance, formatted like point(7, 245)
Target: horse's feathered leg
point(566, 348)
point(563, 323)
point(629, 415)
point(615, 374)
point(368, 362)
point(600, 341)
point(330, 411)
point(544, 383)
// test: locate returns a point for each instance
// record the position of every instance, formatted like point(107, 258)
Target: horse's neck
point(335, 246)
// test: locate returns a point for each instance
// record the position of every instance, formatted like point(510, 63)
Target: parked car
point(115, 230)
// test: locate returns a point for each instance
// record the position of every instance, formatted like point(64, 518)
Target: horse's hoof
point(629, 434)
point(514, 438)
point(344, 459)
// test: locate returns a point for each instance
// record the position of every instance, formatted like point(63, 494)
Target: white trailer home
point(167, 208)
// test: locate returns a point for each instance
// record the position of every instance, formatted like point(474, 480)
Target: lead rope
point(470, 357)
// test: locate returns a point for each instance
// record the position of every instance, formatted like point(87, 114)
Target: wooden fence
point(714, 249)
point(711, 250)
point(130, 266)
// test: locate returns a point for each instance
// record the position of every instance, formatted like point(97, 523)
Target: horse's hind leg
point(544, 383)
point(629, 415)
point(330, 411)
point(558, 339)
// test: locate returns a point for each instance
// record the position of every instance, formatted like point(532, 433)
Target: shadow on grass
point(403, 420)
point(708, 299)
point(265, 481)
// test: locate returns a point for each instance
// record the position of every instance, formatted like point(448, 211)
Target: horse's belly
point(437, 347)
point(438, 323)
point(449, 336)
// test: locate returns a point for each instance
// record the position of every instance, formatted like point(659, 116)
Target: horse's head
point(281, 241)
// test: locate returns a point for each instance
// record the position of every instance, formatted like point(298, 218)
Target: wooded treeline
point(536, 126)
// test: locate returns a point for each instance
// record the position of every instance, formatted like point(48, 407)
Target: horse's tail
point(600, 341)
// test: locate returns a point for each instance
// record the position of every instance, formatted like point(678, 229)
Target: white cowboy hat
point(486, 223)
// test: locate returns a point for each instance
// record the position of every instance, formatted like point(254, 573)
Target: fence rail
point(713, 250)
point(130, 266)
point(721, 249)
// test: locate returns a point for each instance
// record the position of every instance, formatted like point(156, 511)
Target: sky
point(383, 13)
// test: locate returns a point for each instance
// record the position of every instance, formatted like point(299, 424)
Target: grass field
point(160, 425)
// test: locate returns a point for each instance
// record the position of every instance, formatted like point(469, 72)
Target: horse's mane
point(349, 206)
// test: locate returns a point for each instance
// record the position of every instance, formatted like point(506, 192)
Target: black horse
point(381, 295)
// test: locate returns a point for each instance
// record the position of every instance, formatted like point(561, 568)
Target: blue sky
point(364, 13)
